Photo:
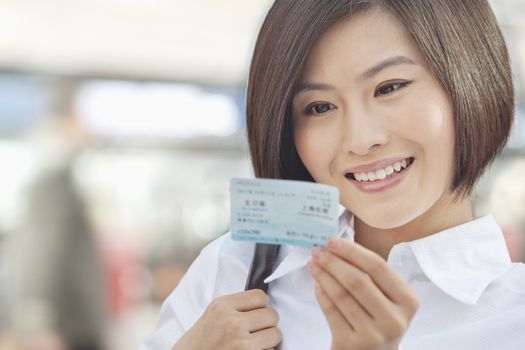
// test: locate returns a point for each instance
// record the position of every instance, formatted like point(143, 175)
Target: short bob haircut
point(460, 41)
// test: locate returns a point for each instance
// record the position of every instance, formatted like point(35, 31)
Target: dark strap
point(262, 266)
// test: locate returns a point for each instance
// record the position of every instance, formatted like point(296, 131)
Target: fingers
point(246, 301)
point(392, 285)
point(346, 295)
point(350, 280)
point(342, 300)
point(265, 339)
point(337, 322)
point(237, 321)
point(259, 319)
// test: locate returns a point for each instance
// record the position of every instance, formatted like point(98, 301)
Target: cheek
point(315, 148)
point(429, 123)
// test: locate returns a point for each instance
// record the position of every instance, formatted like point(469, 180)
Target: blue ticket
point(283, 211)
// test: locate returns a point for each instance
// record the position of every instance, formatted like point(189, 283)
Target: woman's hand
point(236, 321)
point(367, 305)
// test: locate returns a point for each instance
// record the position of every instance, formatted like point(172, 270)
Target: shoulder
point(220, 260)
point(227, 263)
point(220, 268)
point(507, 292)
point(514, 278)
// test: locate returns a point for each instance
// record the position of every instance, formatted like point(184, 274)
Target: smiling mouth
point(383, 173)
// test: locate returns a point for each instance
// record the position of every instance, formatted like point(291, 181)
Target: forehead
point(358, 42)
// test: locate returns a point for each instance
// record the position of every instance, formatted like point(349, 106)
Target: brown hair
point(463, 47)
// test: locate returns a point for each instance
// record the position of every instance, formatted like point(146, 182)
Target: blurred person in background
point(61, 301)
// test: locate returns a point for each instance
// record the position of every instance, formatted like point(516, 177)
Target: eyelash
point(400, 84)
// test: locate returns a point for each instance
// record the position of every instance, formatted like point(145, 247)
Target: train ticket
point(283, 211)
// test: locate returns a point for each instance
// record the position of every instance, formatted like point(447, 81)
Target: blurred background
point(121, 123)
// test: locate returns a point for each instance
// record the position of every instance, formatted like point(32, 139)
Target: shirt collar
point(296, 257)
point(461, 261)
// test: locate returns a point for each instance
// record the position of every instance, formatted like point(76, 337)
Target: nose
point(362, 132)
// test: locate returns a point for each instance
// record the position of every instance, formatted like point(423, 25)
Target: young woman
point(400, 104)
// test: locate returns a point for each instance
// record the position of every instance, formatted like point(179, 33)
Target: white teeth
point(381, 173)
point(397, 166)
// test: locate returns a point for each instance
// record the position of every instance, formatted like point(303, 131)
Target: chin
point(383, 224)
point(387, 220)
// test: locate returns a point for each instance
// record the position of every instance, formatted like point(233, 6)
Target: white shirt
point(471, 295)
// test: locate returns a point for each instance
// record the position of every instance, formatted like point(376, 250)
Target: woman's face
point(367, 99)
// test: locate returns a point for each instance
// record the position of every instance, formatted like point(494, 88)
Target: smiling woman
point(401, 105)
point(394, 111)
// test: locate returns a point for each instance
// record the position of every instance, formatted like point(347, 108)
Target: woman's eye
point(319, 108)
point(389, 88)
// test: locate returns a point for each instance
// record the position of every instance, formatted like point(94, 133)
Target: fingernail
point(334, 242)
point(317, 252)
point(312, 266)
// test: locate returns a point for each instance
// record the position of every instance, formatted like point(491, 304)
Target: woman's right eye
point(319, 108)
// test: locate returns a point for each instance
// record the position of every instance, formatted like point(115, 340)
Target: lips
point(373, 167)
point(386, 183)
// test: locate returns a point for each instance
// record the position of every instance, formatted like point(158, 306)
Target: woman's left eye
point(389, 88)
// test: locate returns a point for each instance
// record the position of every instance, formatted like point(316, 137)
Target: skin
point(345, 119)
point(235, 321)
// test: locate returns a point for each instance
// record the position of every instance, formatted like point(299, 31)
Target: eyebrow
point(369, 73)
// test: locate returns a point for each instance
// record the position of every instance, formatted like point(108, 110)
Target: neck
point(441, 216)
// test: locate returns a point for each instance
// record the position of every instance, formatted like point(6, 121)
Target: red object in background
point(124, 272)
point(515, 243)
